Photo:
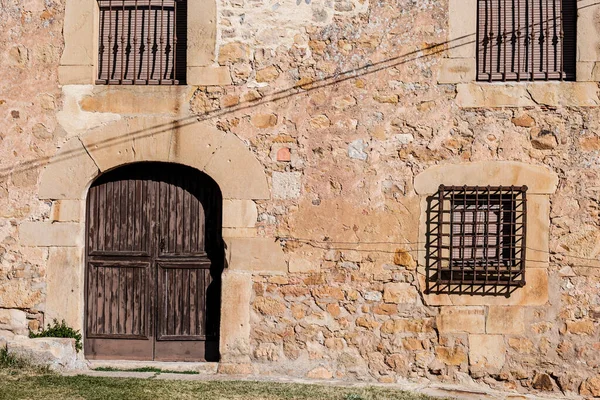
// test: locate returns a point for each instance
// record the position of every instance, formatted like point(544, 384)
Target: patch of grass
point(95, 388)
point(146, 369)
point(8, 361)
point(12, 365)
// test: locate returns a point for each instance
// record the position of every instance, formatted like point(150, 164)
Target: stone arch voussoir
point(221, 155)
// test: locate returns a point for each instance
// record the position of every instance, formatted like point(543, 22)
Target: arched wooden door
point(154, 260)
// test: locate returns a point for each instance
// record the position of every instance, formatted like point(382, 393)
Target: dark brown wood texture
point(142, 42)
point(526, 40)
point(154, 259)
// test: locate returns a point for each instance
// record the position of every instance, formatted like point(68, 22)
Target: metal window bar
point(480, 238)
point(526, 40)
point(142, 42)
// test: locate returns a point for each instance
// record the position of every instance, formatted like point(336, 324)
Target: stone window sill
point(527, 94)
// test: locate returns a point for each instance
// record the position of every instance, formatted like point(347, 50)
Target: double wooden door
point(154, 261)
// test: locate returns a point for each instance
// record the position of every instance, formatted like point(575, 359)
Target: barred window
point(526, 40)
point(142, 42)
point(476, 239)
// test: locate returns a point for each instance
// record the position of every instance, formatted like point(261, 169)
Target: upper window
point(142, 42)
point(526, 40)
point(477, 237)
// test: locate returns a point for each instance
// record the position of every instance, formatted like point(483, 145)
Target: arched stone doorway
point(154, 258)
point(65, 183)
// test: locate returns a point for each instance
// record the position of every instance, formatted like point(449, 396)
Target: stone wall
point(340, 104)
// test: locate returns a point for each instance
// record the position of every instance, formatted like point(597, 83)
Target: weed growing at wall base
point(60, 330)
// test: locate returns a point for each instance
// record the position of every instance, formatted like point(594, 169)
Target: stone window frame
point(459, 65)
point(79, 61)
point(476, 241)
point(541, 183)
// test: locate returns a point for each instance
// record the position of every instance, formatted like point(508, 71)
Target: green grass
point(147, 369)
point(19, 385)
point(19, 380)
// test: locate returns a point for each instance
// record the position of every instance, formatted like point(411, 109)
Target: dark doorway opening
point(154, 258)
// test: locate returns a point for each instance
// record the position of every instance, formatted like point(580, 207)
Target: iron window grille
point(142, 42)
point(476, 240)
point(526, 40)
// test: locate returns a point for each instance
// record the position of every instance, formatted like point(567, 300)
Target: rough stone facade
point(317, 119)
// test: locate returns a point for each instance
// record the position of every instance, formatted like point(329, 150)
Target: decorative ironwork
point(142, 42)
point(476, 240)
point(526, 40)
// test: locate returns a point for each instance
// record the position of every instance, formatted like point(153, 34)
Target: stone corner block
point(76, 74)
point(48, 234)
point(208, 76)
point(487, 351)
point(538, 179)
point(236, 293)
point(256, 255)
point(239, 213)
point(457, 70)
point(461, 319)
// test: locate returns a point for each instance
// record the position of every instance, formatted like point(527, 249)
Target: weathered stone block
point(13, 320)
point(68, 173)
point(451, 355)
point(457, 70)
point(66, 210)
point(319, 373)
point(399, 293)
point(135, 99)
point(505, 320)
point(237, 171)
point(582, 327)
point(461, 319)
point(287, 185)
point(487, 351)
point(539, 180)
point(201, 33)
point(588, 44)
point(268, 306)
point(236, 294)
point(567, 94)
point(590, 387)
point(49, 234)
point(76, 74)
point(56, 353)
point(255, 254)
point(130, 140)
point(79, 38)
point(462, 21)
point(208, 76)
point(302, 265)
point(239, 213)
point(64, 279)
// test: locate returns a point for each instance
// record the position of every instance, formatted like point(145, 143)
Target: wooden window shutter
point(526, 40)
point(142, 42)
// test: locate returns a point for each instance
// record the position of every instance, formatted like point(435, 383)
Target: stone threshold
point(471, 391)
point(206, 368)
